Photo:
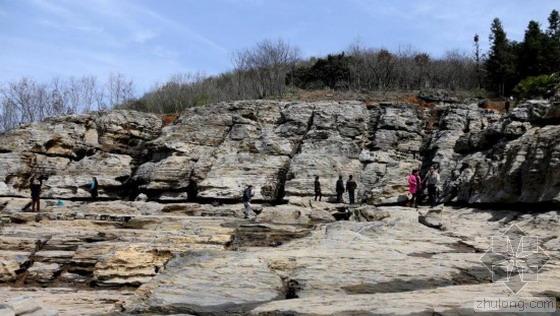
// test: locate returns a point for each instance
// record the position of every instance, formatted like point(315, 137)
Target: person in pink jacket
point(414, 183)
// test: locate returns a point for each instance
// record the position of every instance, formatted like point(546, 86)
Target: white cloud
point(142, 36)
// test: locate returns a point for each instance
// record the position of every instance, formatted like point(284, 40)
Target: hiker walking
point(93, 188)
point(351, 186)
point(414, 185)
point(192, 190)
point(339, 189)
point(432, 181)
point(35, 184)
point(317, 189)
point(247, 196)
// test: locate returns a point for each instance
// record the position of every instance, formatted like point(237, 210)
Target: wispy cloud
point(143, 36)
point(183, 28)
point(149, 40)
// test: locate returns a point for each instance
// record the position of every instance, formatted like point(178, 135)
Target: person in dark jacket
point(93, 188)
point(192, 190)
point(339, 189)
point(507, 105)
point(247, 196)
point(317, 189)
point(351, 186)
point(35, 185)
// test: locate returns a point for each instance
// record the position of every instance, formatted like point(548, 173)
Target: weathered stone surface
point(522, 170)
point(132, 265)
point(432, 218)
point(537, 111)
point(24, 305)
point(331, 148)
point(171, 173)
point(299, 256)
point(43, 272)
point(124, 131)
point(189, 285)
point(294, 215)
point(369, 264)
point(10, 263)
point(68, 301)
point(64, 136)
point(6, 310)
point(257, 151)
point(214, 152)
point(72, 181)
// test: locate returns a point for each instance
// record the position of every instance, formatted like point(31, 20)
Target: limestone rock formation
point(167, 234)
point(213, 152)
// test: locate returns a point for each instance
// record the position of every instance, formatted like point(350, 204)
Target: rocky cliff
point(214, 152)
point(168, 236)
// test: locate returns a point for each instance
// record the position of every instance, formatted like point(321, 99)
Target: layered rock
point(69, 151)
point(214, 152)
point(512, 160)
point(86, 257)
point(162, 254)
point(390, 265)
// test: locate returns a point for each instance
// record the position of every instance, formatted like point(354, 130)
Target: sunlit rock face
point(279, 147)
point(167, 234)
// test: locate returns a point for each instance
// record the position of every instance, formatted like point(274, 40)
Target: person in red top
point(414, 183)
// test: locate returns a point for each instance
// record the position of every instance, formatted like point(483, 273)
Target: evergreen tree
point(552, 45)
point(531, 59)
point(500, 62)
point(477, 59)
point(554, 25)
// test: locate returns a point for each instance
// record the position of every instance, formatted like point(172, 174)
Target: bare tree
point(265, 67)
point(119, 89)
point(26, 100)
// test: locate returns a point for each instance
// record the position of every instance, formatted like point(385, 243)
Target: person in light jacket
point(432, 182)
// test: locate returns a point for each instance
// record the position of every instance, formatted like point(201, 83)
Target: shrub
point(537, 86)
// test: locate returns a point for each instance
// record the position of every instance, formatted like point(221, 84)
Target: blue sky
point(149, 40)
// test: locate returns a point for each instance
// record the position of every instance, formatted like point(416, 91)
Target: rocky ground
point(168, 234)
point(149, 258)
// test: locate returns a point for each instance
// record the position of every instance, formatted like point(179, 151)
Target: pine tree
point(531, 59)
point(500, 62)
point(552, 45)
point(554, 24)
point(477, 59)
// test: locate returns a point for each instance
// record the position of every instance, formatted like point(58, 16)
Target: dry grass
point(498, 106)
point(169, 119)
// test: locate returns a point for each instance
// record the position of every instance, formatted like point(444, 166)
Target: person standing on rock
point(35, 185)
point(317, 189)
point(247, 196)
point(413, 187)
point(419, 188)
point(351, 186)
point(339, 189)
point(93, 188)
point(432, 181)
